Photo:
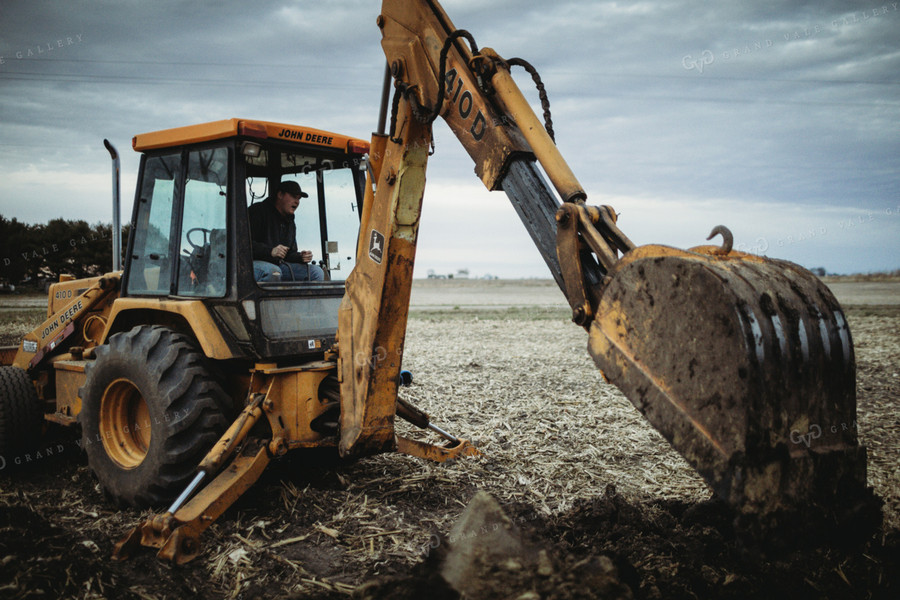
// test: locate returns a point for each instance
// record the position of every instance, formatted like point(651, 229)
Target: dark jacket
point(269, 228)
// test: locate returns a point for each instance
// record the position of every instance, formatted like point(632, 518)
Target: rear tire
point(21, 416)
point(150, 413)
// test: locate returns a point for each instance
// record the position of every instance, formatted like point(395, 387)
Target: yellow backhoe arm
point(727, 355)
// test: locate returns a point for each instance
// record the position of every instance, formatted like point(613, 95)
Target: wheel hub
point(124, 424)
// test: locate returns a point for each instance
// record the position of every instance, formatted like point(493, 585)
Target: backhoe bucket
point(745, 365)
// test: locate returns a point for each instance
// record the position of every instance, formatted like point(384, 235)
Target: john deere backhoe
point(187, 376)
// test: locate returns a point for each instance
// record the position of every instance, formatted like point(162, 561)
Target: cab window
point(204, 240)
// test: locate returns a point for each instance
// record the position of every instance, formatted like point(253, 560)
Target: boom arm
point(727, 355)
point(437, 71)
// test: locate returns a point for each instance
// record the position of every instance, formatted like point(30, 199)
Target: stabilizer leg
point(176, 532)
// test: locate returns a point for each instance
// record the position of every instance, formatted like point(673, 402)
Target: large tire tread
point(187, 412)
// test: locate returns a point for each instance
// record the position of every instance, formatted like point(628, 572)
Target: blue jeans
point(266, 271)
point(301, 272)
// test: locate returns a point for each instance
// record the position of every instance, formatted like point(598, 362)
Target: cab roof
point(216, 130)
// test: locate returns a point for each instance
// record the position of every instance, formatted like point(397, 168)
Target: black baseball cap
point(292, 188)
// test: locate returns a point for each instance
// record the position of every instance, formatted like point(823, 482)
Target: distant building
point(460, 274)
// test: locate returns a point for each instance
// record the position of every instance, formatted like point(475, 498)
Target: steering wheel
point(206, 233)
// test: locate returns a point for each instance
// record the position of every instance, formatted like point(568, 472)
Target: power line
point(239, 82)
point(144, 80)
point(331, 67)
point(185, 63)
point(724, 78)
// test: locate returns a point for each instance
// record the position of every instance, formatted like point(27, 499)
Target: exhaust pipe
point(117, 218)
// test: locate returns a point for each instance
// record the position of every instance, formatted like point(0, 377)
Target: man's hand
point(305, 256)
point(280, 251)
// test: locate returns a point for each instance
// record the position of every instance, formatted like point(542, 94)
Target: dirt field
point(569, 459)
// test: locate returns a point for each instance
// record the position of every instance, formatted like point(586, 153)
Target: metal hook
point(727, 239)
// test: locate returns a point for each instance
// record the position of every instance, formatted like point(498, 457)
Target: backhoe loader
point(187, 376)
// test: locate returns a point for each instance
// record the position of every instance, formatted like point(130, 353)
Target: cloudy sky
point(780, 120)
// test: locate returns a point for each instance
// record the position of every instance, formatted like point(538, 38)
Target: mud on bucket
point(745, 365)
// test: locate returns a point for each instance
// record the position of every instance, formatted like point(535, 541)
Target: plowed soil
point(569, 459)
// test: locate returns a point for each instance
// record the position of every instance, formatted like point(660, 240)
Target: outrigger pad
point(745, 365)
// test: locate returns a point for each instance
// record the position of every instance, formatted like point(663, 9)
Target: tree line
point(35, 252)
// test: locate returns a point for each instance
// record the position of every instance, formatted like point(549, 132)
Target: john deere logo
point(376, 246)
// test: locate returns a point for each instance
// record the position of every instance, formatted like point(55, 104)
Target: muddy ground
point(572, 463)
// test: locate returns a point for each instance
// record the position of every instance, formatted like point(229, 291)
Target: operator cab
point(190, 237)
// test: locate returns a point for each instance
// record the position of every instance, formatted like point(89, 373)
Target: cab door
point(179, 241)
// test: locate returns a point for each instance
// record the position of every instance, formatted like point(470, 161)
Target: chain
point(442, 78)
point(545, 101)
point(427, 115)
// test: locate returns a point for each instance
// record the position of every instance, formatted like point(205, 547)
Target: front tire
point(150, 413)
